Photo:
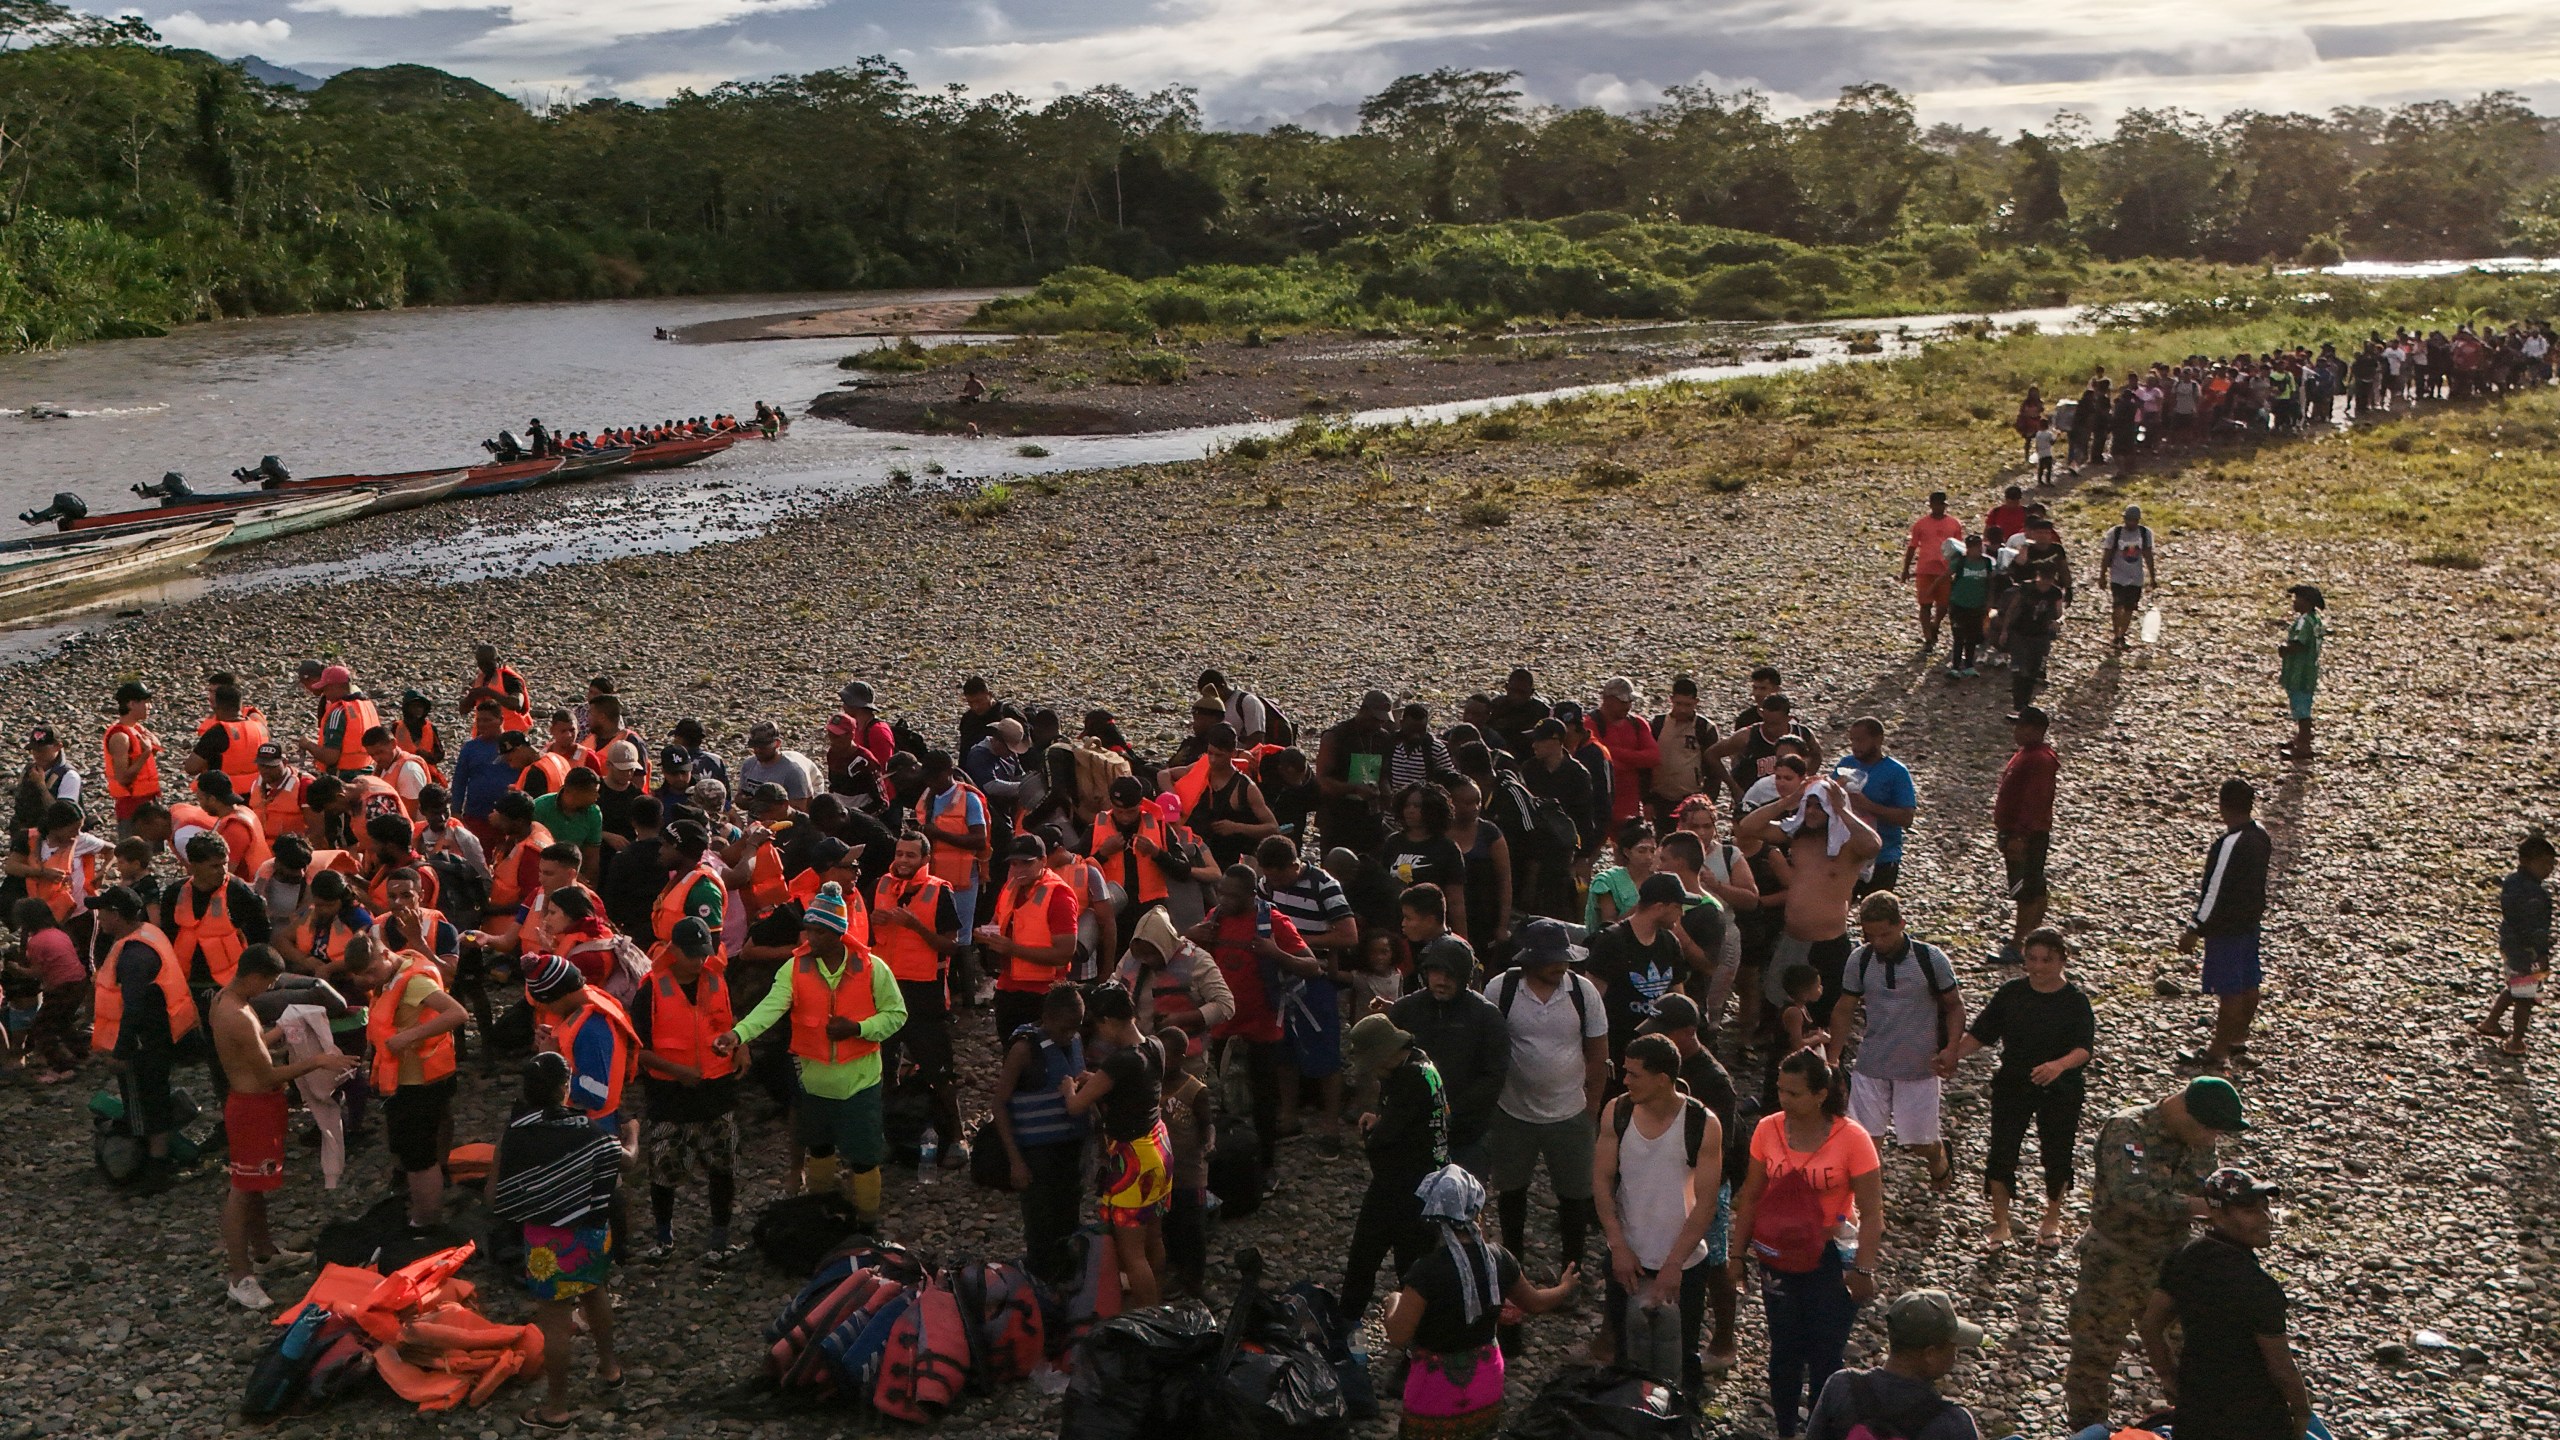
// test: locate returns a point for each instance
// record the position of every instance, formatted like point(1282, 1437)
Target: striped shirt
point(555, 1168)
point(1313, 902)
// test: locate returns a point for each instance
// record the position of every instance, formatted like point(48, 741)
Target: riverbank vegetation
point(143, 186)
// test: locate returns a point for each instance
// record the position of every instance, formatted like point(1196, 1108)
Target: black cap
point(2032, 715)
point(130, 691)
point(270, 751)
point(2312, 594)
point(1547, 729)
point(1568, 712)
point(692, 936)
point(768, 793)
point(688, 730)
point(1661, 888)
point(1674, 1011)
point(1027, 847)
point(829, 853)
point(2232, 1185)
point(42, 735)
point(675, 757)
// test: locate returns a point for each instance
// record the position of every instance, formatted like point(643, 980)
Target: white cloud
point(221, 37)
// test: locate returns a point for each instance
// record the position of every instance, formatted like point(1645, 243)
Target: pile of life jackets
point(876, 1326)
point(417, 1327)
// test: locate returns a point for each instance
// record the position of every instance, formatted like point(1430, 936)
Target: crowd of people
point(1656, 960)
point(541, 443)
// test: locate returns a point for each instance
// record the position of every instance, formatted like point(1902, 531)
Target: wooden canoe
point(294, 517)
point(506, 479)
point(45, 584)
point(668, 454)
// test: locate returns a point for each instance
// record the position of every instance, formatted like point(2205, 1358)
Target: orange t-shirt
point(1791, 1228)
point(1929, 535)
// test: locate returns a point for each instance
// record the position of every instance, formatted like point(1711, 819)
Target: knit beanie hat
point(826, 909)
point(548, 977)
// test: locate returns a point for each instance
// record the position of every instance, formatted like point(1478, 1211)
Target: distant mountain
point(269, 73)
point(402, 89)
point(1326, 119)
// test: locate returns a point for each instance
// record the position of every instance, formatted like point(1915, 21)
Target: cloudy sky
point(1994, 62)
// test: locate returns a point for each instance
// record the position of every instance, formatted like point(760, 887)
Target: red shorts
point(254, 1125)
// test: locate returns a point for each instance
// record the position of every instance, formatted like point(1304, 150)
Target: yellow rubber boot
point(862, 1187)
point(818, 1176)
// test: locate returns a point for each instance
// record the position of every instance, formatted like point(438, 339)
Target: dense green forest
point(143, 186)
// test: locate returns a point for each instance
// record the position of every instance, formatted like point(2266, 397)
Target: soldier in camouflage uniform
point(2151, 1165)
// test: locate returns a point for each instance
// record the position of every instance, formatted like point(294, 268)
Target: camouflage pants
point(2116, 1282)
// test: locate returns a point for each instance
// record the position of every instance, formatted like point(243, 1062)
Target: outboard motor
point(506, 447)
point(169, 489)
point(268, 474)
point(66, 507)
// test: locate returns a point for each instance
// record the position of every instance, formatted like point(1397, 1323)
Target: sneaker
point(285, 1261)
point(656, 1250)
point(248, 1294)
point(1971, 673)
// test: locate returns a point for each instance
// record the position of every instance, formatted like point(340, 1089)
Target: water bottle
point(927, 1153)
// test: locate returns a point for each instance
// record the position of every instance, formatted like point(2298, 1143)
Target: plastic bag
point(1590, 1402)
point(1141, 1373)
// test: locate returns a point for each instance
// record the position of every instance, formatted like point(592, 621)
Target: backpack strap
point(1510, 991)
point(1885, 1422)
point(1694, 1119)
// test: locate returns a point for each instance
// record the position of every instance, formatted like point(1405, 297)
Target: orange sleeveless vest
point(106, 1000)
point(382, 1021)
point(902, 950)
point(681, 1030)
point(814, 1002)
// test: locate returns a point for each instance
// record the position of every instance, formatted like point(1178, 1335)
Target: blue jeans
point(1809, 1317)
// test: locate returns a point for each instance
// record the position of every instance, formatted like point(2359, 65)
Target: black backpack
point(798, 1231)
point(1510, 983)
point(1871, 1417)
point(1277, 728)
point(1693, 1122)
point(462, 892)
point(1235, 1169)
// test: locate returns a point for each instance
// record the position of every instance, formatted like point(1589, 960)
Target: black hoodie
point(1467, 1038)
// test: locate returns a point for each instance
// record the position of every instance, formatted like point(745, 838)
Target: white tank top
point(1653, 1189)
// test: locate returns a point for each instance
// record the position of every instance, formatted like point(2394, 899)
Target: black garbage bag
point(1275, 1379)
point(1603, 1402)
point(1323, 1326)
point(798, 1231)
point(1142, 1374)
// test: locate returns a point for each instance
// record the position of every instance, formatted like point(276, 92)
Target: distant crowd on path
point(1527, 942)
point(2202, 399)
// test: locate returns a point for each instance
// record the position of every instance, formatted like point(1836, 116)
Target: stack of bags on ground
point(875, 1326)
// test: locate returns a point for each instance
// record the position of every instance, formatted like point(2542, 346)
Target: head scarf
point(1451, 1198)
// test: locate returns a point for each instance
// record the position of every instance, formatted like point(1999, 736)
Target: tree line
point(143, 186)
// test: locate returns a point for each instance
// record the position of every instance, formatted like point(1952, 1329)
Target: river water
point(404, 390)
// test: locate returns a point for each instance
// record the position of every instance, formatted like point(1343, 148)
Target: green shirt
point(1969, 582)
point(837, 1080)
point(1619, 886)
point(2302, 666)
point(585, 827)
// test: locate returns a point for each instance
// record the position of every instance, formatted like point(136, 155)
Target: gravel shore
point(2417, 1164)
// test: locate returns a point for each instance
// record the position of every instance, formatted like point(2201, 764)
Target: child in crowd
point(20, 999)
point(1796, 1030)
point(133, 871)
point(1190, 1123)
point(2044, 454)
point(2524, 939)
point(1969, 605)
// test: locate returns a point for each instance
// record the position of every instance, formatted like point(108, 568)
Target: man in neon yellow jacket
point(842, 1002)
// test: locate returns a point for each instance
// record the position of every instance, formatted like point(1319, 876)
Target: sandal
point(534, 1419)
point(2513, 1047)
point(612, 1382)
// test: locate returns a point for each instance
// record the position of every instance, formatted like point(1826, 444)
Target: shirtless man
point(1822, 883)
point(253, 1116)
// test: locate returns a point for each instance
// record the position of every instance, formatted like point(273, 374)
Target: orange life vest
point(954, 858)
point(240, 745)
point(382, 1021)
point(857, 915)
point(602, 1009)
point(428, 916)
point(504, 893)
point(554, 768)
point(280, 809)
point(360, 717)
point(420, 742)
point(1193, 783)
point(247, 838)
point(210, 937)
point(426, 773)
point(681, 1030)
point(106, 1000)
point(509, 717)
point(670, 907)
point(814, 1002)
point(1027, 926)
point(765, 886)
point(64, 897)
point(1151, 885)
point(901, 949)
point(146, 781)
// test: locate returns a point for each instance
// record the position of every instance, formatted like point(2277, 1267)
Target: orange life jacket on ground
point(681, 1030)
point(602, 1009)
point(814, 1002)
point(106, 1000)
point(211, 936)
point(1027, 926)
point(954, 858)
point(901, 949)
point(280, 809)
point(382, 1021)
point(360, 717)
point(146, 781)
point(240, 746)
point(64, 897)
point(504, 893)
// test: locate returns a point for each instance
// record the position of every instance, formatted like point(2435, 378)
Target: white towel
point(1836, 834)
point(306, 1033)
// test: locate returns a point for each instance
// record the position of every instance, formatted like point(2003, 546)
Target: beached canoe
point(426, 489)
point(51, 579)
point(587, 465)
point(668, 454)
point(294, 517)
point(506, 479)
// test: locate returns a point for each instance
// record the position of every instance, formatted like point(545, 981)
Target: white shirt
point(1653, 1188)
point(83, 846)
point(1545, 1084)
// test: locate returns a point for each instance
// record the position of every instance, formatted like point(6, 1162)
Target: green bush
point(1951, 258)
point(1147, 367)
point(1994, 284)
point(1815, 271)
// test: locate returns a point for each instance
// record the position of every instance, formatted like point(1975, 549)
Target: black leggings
point(1968, 642)
point(2055, 1111)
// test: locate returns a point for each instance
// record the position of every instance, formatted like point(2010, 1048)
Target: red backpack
point(1792, 1225)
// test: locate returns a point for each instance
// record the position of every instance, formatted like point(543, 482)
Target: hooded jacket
point(1467, 1038)
point(1185, 964)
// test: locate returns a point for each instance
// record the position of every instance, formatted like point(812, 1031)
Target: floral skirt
point(565, 1263)
point(1453, 1397)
